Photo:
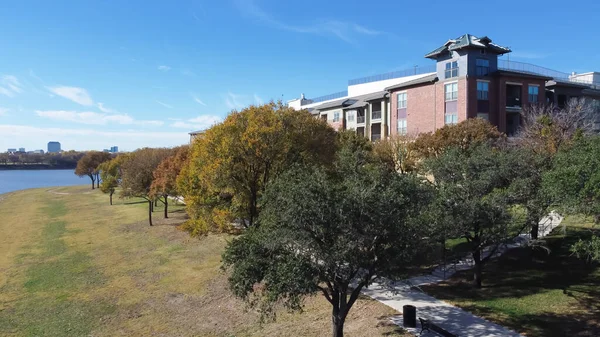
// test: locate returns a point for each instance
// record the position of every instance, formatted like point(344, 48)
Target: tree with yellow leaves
point(232, 163)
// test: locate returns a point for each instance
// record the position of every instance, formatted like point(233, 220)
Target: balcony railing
point(360, 119)
point(326, 97)
point(528, 68)
point(394, 74)
point(376, 115)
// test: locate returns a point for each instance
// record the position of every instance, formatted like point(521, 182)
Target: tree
point(88, 165)
point(329, 231)
point(232, 162)
point(110, 172)
point(397, 153)
point(465, 134)
point(137, 173)
point(574, 179)
point(475, 198)
point(546, 128)
point(165, 176)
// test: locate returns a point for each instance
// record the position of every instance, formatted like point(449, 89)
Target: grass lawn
point(72, 265)
point(533, 292)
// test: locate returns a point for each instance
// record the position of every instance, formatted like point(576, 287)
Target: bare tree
point(546, 128)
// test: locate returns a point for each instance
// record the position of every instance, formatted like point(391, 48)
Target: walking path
point(447, 316)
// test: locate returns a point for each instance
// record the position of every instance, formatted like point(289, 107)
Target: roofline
point(522, 74)
point(567, 84)
point(414, 83)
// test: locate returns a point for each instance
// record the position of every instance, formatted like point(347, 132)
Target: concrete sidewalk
point(447, 316)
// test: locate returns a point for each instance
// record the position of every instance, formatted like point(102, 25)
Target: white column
point(383, 120)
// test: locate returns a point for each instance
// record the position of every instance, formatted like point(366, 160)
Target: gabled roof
point(468, 41)
point(333, 104)
point(427, 79)
point(352, 101)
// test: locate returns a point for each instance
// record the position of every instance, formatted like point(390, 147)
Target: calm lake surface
point(13, 180)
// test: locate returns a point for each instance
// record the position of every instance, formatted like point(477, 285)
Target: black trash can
point(409, 314)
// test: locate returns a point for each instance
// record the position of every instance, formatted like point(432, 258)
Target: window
point(451, 91)
point(533, 93)
point(324, 117)
point(483, 67)
point(485, 116)
point(350, 116)
point(402, 100)
point(336, 116)
point(450, 119)
point(402, 126)
point(483, 89)
point(452, 69)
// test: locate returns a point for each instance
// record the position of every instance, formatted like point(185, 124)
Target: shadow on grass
point(556, 279)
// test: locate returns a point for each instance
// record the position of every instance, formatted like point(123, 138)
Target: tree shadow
point(527, 271)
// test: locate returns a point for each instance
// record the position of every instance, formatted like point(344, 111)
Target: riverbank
point(35, 167)
point(72, 265)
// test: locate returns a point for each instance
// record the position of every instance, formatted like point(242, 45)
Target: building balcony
point(513, 102)
point(376, 115)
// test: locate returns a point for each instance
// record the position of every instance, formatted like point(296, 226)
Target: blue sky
point(92, 74)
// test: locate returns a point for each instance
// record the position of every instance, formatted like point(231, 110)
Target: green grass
point(72, 265)
point(533, 291)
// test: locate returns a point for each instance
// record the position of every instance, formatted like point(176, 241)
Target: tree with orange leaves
point(165, 176)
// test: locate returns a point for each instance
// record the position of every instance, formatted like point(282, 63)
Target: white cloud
point(93, 118)
point(3, 111)
point(344, 31)
point(75, 94)
point(199, 123)
point(234, 101)
point(88, 139)
point(198, 100)
point(164, 104)
point(164, 68)
point(103, 108)
point(10, 86)
point(258, 100)
point(187, 72)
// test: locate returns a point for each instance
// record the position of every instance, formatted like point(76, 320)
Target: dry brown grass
point(113, 275)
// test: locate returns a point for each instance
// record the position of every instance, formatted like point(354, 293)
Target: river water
point(14, 180)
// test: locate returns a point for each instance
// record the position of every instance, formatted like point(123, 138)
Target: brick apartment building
point(467, 81)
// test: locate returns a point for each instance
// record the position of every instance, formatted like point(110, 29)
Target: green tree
point(137, 173)
point(475, 197)
point(329, 231)
point(88, 165)
point(110, 172)
point(231, 163)
point(165, 176)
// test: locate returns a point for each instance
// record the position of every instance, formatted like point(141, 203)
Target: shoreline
point(33, 167)
point(3, 195)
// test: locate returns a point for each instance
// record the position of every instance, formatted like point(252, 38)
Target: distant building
point(195, 134)
point(114, 149)
point(22, 149)
point(36, 151)
point(53, 147)
point(11, 150)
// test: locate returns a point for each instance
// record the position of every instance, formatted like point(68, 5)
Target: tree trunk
point(150, 212)
point(478, 268)
point(111, 193)
point(337, 323)
point(92, 177)
point(534, 231)
point(98, 180)
point(166, 205)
